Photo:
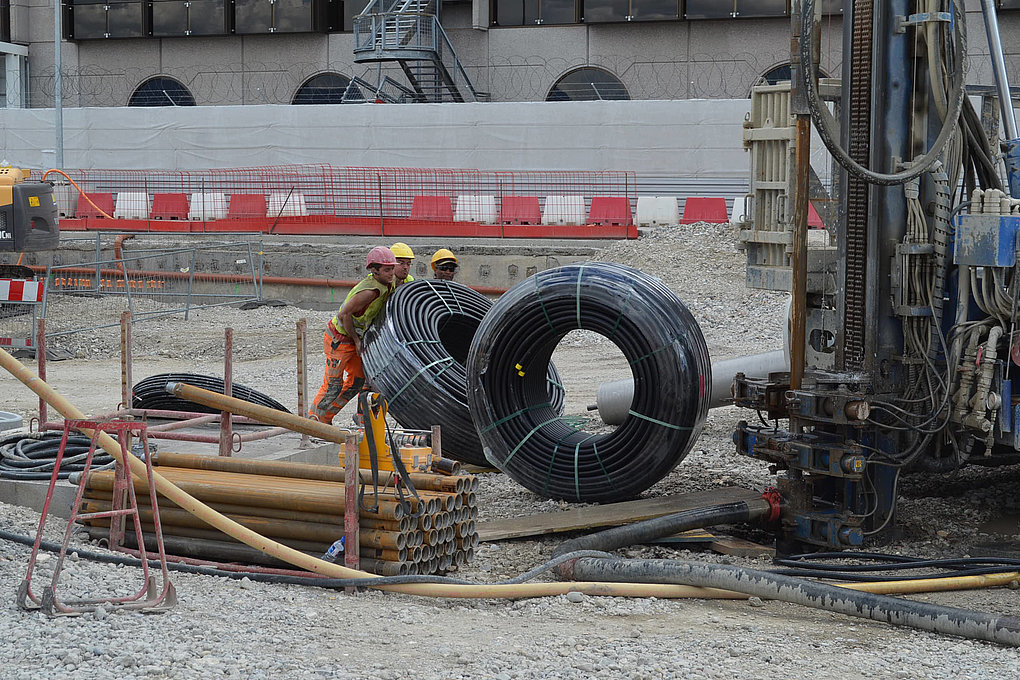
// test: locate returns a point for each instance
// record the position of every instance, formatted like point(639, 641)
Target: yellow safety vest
point(361, 323)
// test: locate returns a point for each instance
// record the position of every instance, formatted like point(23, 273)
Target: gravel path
point(234, 629)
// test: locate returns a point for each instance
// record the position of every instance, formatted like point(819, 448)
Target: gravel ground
point(234, 629)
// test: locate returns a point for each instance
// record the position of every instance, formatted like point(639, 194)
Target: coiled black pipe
point(524, 437)
point(150, 393)
point(415, 357)
point(899, 612)
point(33, 456)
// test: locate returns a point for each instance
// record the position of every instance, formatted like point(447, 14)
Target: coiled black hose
point(32, 456)
point(415, 357)
point(150, 393)
point(524, 437)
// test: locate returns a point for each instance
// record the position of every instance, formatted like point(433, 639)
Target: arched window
point(161, 91)
point(587, 84)
point(325, 88)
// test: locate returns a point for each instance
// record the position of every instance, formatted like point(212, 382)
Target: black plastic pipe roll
point(527, 439)
point(151, 393)
point(415, 357)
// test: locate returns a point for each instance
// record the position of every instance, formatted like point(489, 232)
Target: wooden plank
point(611, 514)
point(738, 547)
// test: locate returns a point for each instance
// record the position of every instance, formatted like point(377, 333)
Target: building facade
point(238, 52)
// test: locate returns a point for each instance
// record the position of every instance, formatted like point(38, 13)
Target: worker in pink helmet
point(344, 376)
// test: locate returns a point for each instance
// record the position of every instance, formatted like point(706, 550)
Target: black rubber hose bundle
point(415, 357)
point(33, 456)
point(527, 439)
point(151, 393)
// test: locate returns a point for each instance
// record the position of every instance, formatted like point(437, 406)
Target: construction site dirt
point(243, 629)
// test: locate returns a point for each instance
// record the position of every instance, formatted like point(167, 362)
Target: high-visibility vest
point(361, 323)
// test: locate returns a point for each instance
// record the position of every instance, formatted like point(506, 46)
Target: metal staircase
point(409, 33)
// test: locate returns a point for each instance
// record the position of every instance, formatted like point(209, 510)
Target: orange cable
point(75, 184)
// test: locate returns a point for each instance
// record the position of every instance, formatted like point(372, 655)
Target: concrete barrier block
point(481, 209)
point(741, 210)
point(564, 210)
point(287, 204)
point(657, 210)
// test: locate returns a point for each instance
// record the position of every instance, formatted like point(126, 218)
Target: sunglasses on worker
point(451, 267)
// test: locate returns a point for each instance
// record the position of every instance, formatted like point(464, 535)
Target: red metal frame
point(146, 598)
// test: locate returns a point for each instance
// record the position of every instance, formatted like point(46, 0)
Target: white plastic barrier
point(480, 209)
point(564, 210)
point(132, 205)
point(657, 210)
point(741, 210)
point(287, 204)
point(208, 207)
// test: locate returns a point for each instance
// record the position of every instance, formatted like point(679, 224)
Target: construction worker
point(344, 376)
point(444, 264)
point(405, 257)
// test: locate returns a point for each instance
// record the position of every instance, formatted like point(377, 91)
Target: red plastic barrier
point(520, 210)
point(86, 209)
point(610, 211)
point(169, 207)
point(705, 209)
point(814, 220)
point(247, 205)
point(432, 209)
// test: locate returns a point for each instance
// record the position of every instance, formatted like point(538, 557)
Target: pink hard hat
point(380, 255)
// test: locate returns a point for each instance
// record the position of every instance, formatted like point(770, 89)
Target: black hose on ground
point(879, 565)
point(32, 456)
point(415, 357)
point(526, 438)
point(651, 529)
point(1003, 630)
point(150, 393)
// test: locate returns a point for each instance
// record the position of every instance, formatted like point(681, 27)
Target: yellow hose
point(514, 591)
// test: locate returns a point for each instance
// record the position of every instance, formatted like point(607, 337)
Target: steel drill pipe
point(325, 473)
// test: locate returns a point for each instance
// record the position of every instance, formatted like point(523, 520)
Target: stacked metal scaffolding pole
point(303, 506)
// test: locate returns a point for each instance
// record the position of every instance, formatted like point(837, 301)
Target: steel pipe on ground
point(614, 398)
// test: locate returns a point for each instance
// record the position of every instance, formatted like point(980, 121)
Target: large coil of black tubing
point(529, 441)
point(415, 358)
point(150, 393)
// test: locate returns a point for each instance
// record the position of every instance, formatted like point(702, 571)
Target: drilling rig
point(904, 345)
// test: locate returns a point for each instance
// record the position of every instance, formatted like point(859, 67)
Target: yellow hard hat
point(402, 250)
point(442, 254)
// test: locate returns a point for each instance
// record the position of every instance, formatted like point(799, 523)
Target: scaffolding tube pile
point(521, 431)
point(303, 506)
point(416, 356)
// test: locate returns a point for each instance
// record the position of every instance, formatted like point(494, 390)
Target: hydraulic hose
point(415, 357)
point(149, 393)
point(667, 525)
point(1003, 630)
point(32, 456)
point(526, 438)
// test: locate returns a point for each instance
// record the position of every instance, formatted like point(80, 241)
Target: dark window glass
point(654, 10)
point(292, 16)
point(587, 84)
point(557, 11)
point(832, 6)
point(598, 11)
point(1009, 4)
point(89, 21)
point(509, 12)
point(761, 8)
point(710, 9)
point(126, 19)
point(207, 17)
point(169, 17)
point(352, 8)
point(5, 20)
point(325, 88)
point(161, 91)
point(252, 16)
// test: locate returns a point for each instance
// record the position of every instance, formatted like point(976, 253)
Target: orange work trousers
point(343, 379)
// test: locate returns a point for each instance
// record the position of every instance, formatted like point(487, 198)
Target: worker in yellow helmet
point(405, 257)
point(444, 264)
point(344, 376)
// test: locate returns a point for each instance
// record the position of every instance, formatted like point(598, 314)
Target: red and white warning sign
point(20, 290)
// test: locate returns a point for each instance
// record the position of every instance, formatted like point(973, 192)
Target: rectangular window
point(598, 11)
point(5, 20)
point(532, 12)
point(169, 17)
point(89, 21)
point(293, 16)
point(557, 12)
point(710, 9)
point(736, 9)
point(761, 8)
point(207, 17)
point(252, 16)
point(1009, 4)
point(832, 6)
point(126, 20)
